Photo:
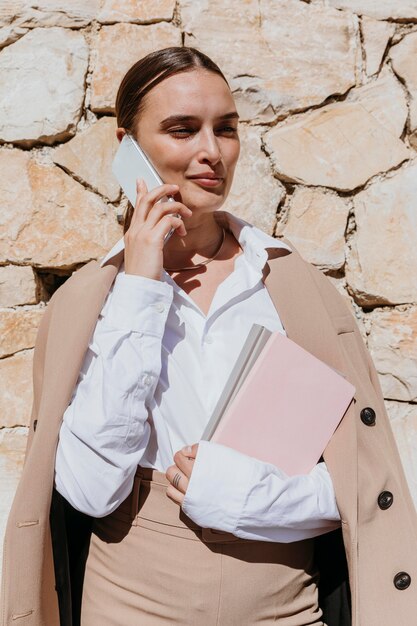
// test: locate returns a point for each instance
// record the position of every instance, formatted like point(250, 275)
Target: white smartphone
point(131, 163)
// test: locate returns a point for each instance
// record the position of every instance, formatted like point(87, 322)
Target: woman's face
point(188, 128)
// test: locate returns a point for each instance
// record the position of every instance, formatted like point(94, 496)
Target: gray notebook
point(255, 341)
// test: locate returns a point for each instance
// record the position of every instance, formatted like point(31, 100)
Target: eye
point(186, 133)
point(181, 132)
point(227, 129)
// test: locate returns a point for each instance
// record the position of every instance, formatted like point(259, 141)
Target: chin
point(205, 207)
point(203, 200)
point(206, 195)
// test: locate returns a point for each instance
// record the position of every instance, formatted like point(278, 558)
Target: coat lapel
point(306, 321)
point(300, 308)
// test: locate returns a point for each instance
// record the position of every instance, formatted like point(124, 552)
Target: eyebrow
point(172, 119)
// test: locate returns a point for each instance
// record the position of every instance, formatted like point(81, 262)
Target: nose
point(209, 149)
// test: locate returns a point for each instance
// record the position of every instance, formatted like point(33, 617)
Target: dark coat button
point(402, 580)
point(385, 499)
point(368, 416)
point(35, 423)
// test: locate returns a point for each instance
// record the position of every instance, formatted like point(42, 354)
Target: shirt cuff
point(218, 486)
point(139, 304)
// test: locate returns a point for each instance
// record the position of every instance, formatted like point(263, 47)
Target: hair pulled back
point(143, 76)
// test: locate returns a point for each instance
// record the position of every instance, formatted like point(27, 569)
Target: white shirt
point(153, 372)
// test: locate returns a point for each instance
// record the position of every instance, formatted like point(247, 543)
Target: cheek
point(174, 156)
point(169, 158)
point(231, 155)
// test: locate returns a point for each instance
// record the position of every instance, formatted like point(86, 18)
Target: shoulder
point(85, 285)
point(335, 304)
point(87, 274)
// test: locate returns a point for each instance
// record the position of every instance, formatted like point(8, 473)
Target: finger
point(156, 236)
point(190, 451)
point(145, 199)
point(175, 495)
point(166, 223)
point(165, 208)
point(141, 189)
point(149, 198)
point(177, 478)
point(184, 463)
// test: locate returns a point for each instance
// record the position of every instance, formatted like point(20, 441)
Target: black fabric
point(71, 532)
point(334, 589)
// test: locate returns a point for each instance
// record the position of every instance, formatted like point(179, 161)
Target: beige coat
point(380, 541)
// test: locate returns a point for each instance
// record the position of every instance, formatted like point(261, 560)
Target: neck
point(201, 242)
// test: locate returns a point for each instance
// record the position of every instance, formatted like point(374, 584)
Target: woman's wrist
point(218, 486)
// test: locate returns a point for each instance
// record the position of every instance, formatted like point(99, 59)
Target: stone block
point(316, 223)
point(403, 57)
point(17, 285)
point(16, 392)
point(280, 56)
point(393, 344)
point(113, 60)
point(255, 194)
point(340, 146)
point(18, 328)
point(379, 9)
point(143, 12)
point(89, 156)
point(381, 265)
point(46, 68)
point(49, 219)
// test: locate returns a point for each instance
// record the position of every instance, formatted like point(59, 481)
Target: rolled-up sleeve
point(105, 428)
point(235, 493)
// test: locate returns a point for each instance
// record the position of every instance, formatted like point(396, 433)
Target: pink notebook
point(287, 408)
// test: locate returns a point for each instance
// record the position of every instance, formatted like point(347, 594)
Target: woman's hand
point(179, 474)
point(151, 221)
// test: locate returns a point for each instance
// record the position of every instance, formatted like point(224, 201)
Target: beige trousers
point(149, 565)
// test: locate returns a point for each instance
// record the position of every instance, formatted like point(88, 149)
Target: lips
point(207, 179)
point(206, 175)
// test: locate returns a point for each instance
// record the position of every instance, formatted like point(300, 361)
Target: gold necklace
point(193, 267)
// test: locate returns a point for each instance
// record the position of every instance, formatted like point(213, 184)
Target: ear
point(120, 132)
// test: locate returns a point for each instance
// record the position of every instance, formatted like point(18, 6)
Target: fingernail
point(187, 450)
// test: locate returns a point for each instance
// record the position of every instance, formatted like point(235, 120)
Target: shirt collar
point(253, 240)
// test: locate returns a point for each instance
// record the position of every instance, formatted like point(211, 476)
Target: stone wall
point(327, 93)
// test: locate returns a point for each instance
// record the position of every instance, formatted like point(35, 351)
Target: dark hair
point(143, 76)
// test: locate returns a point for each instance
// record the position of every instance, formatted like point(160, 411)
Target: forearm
point(105, 429)
point(235, 493)
point(92, 482)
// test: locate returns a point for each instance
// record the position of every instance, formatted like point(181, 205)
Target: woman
point(185, 531)
point(134, 408)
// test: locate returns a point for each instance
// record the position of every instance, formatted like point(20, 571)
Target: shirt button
point(160, 307)
point(147, 379)
point(208, 339)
